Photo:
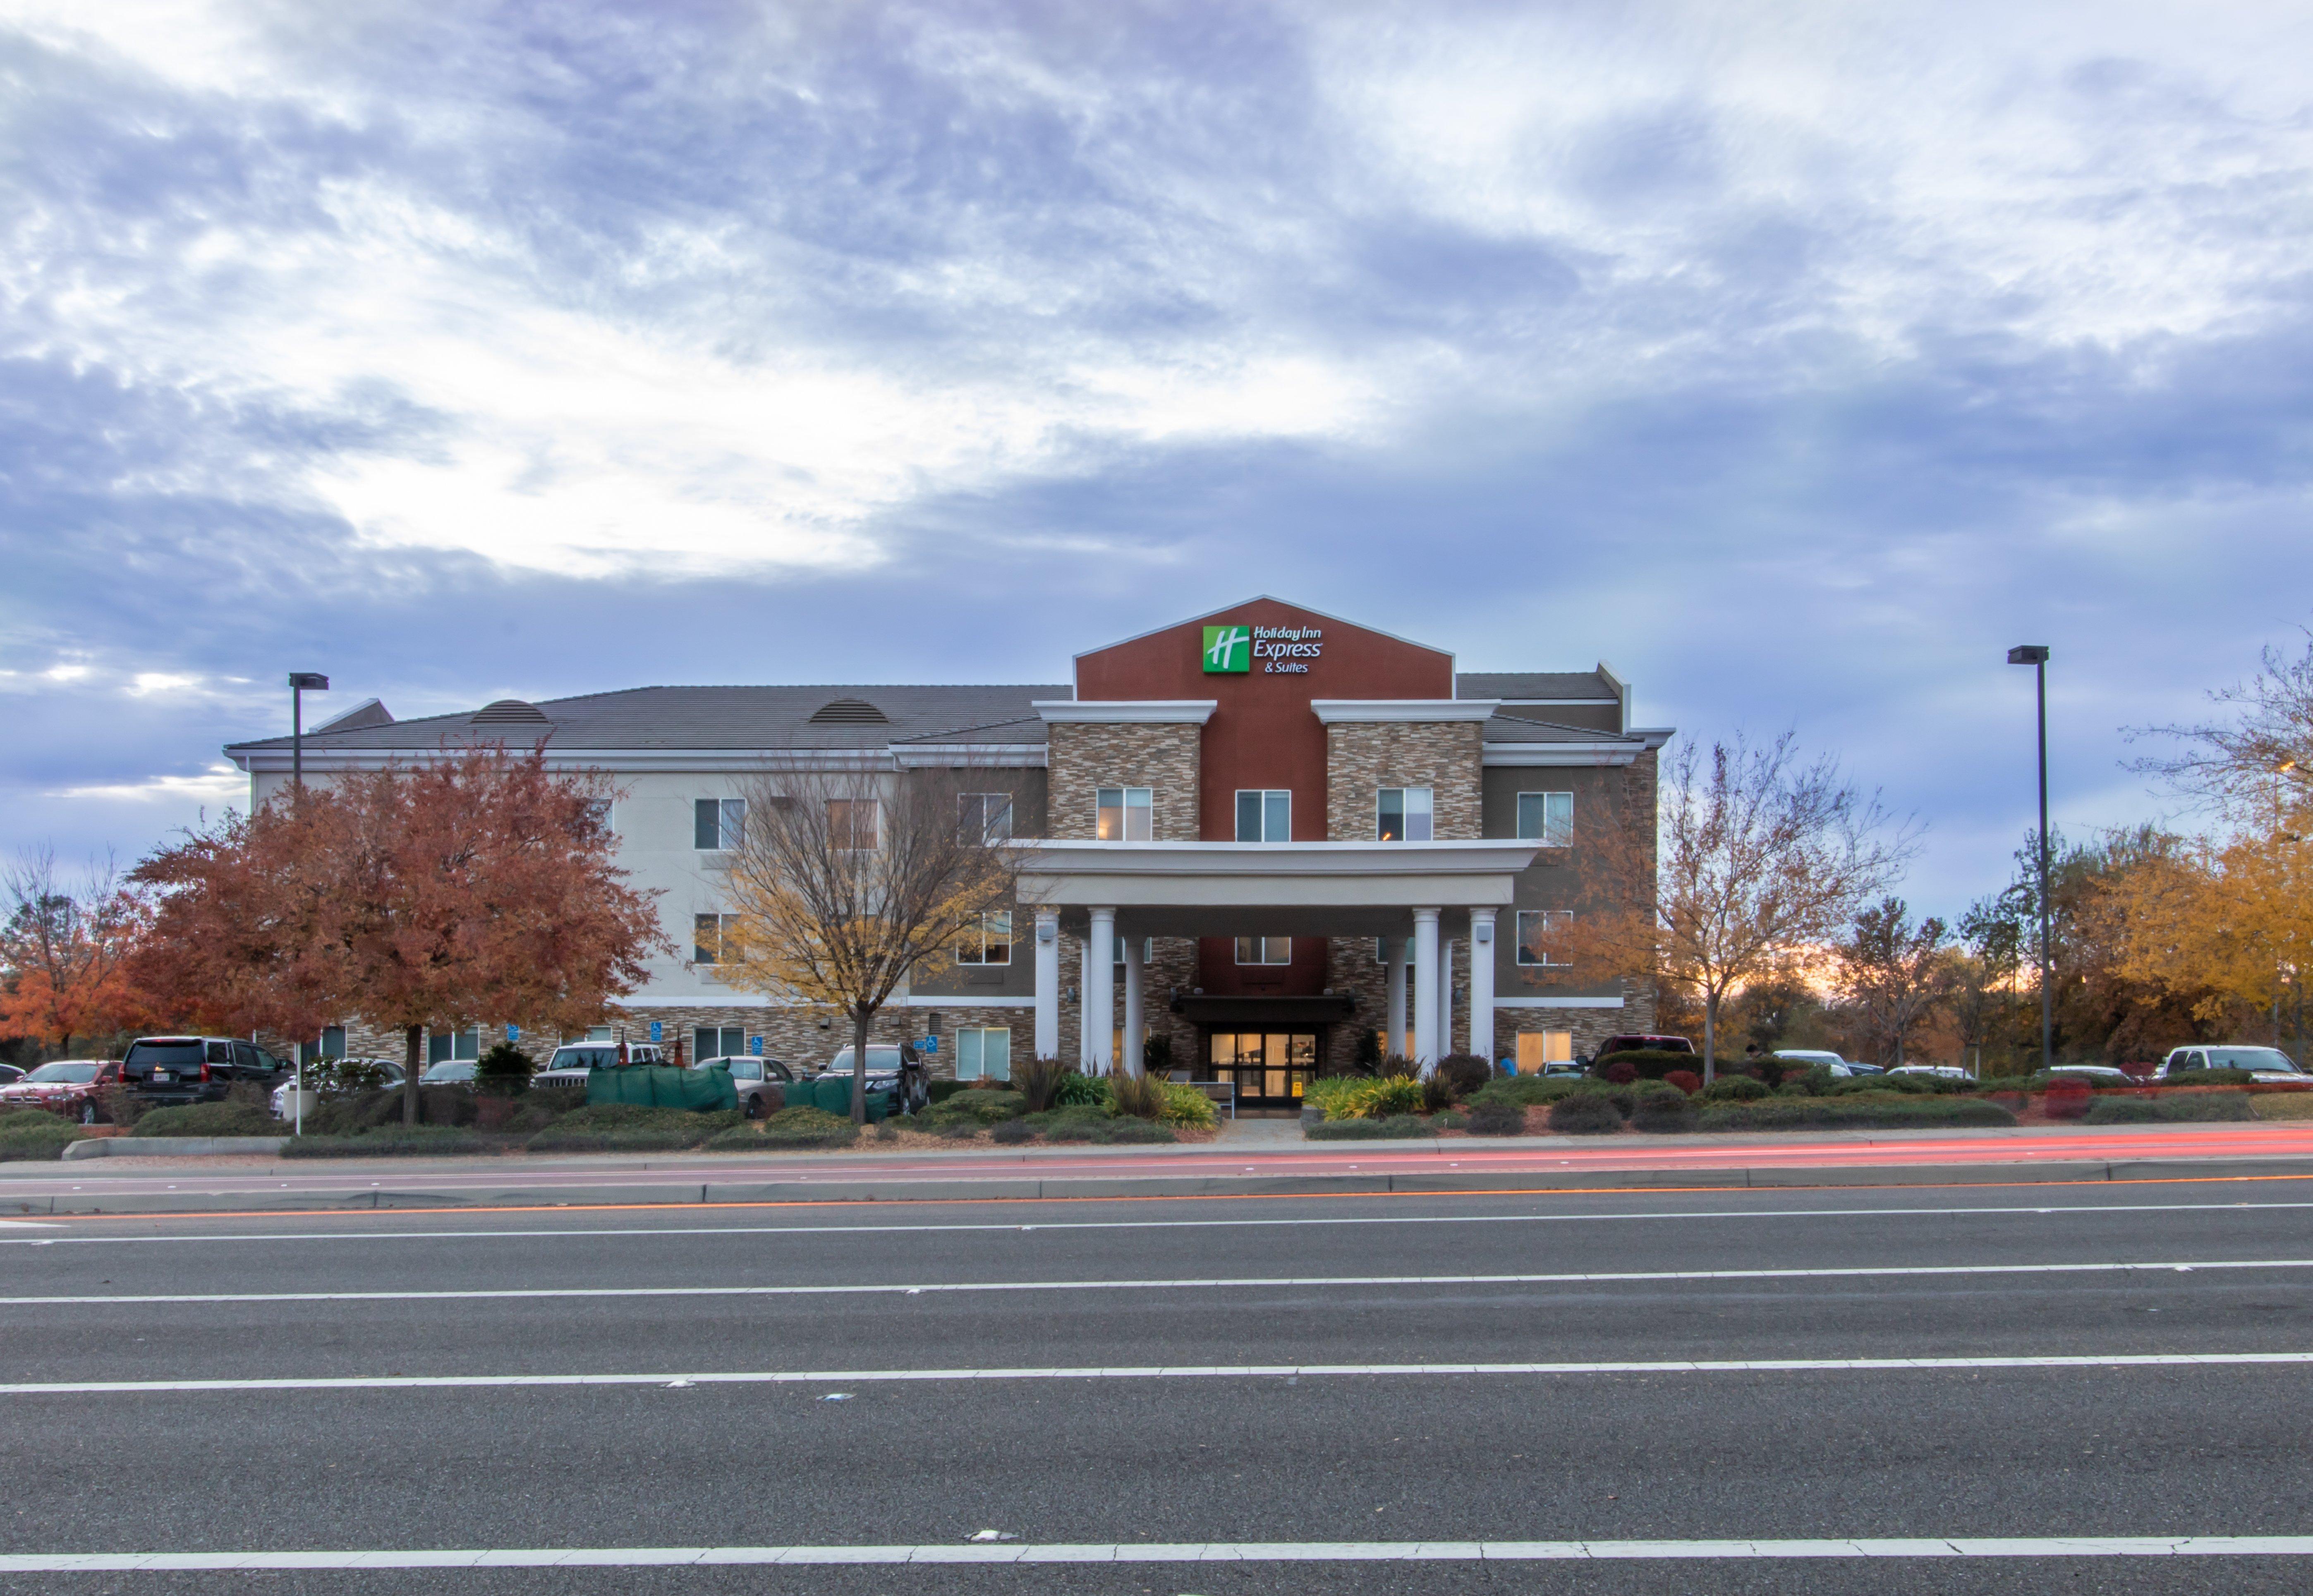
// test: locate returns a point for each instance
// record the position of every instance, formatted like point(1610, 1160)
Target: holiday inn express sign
point(1282, 651)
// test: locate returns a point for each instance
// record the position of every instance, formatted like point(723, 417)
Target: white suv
point(2267, 1064)
point(572, 1060)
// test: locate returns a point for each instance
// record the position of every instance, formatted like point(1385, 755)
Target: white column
point(1100, 991)
point(1392, 952)
point(1136, 1020)
point(1481, 983)
point(1445, 997)
point(1425, 988)
point(1048, 984)
point(1084, 1004)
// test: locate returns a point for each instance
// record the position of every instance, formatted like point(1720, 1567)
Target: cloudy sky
point(1795, 359)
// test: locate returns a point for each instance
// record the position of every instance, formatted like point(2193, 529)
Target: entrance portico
point(1417, 897)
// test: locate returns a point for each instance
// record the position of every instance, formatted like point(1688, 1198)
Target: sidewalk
point(1254, 1162)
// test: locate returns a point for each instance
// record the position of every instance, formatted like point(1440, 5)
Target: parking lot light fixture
point(301, 682)
point(2035, 654)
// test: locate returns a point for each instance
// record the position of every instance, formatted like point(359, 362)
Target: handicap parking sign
point(654, 1031)
point(755, 1047)
point(930, 1044)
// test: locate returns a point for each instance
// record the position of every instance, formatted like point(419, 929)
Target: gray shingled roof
point(1501, 727)
point(728, 717)
point(1534, 684)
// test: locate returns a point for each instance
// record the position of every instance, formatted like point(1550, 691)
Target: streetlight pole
point(301, 682)
point(2035, 654)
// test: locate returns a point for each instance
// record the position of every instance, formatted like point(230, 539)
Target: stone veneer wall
point(1363, 757)
point(1087, 756)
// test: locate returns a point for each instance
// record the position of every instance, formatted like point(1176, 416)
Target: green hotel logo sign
point(1228, 650)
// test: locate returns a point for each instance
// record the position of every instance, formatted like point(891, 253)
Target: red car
point(71, 1087)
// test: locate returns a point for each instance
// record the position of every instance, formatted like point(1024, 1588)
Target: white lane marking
point(1271, 1551)
point(1041, 1227)
point(1237, 1283)
point(388, 1382)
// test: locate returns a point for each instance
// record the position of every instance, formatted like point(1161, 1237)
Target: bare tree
point(844, 886)
point(1761, 861)
point(2258, 760)
point(1894, 974)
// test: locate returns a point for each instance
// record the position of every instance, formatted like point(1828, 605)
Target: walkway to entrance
point(1415, 897)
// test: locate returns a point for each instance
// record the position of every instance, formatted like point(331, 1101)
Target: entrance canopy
point(1270, 889)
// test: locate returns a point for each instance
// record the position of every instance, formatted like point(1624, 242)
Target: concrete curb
point(672, 1192)
point(170, 1147)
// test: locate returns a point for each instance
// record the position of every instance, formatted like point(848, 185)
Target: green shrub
point(980, 1108)
point(1663, 1108)
point(1123, 1129)
point(1734, 1089)
point(1889, 1111)
point(389, 1142)
point(1080, 1092)
point(503, 1071)
point(1039, 1080)
point(628, 1128)
point(1449, 1120)
point(1011, 1131)
point(1185, 1105)
point(35, 1136)
point(1463, 1074)
point(939, 1092)
point(1372, 1098)
point(531, 1118)
point(1624, 1097)
point(1527, 1091)
point(1585, 1113)
point(1647, 1064)
point(209, 1120)
point(2186, 1107)
point(2207, 1078)
point(789, 1130)
point(1490, 1116)
point(1345, 1130)
point(1141, 1097)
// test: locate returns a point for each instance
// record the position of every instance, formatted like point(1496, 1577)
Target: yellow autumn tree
point(2228, 918)
point(843, 887)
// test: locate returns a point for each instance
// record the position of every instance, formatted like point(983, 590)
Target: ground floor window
point(1542, 935)
point(451, 1047)
point(1268, 1067)
point(1264, 950)
point(1536, 1048)
point(984, 1053)
point(717, 1041)
point(332, 1045)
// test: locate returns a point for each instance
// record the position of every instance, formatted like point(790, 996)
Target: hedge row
point(1852, 1111)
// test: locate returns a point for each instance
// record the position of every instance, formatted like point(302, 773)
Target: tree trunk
point(1710, 1038)
point(859, 1020)
point(412, 1036)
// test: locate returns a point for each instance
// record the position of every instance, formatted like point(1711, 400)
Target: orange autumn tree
point(65, 949)
point(475, 888)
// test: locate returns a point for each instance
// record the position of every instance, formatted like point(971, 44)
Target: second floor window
point(1126, 813)
point(983, 816)
point(1546, 818)
point(717, 823)
point(1542, 935)
point(1404, 815)
point(851, 822)
point(1265, 815)
point(711, 940)
point(1264, 950)
point(989, 943)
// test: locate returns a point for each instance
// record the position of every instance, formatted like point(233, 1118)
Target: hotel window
point(851, 823)
point(1541, 933)
point(1536, 1048)
point(715, 823)
point(1264, 950)
point(984, 1053)
point(717, 1041)
point(990, 942)
point(1546, 818)
point(1405, 815)
point(332, 1045)
point(454, 1047)
point(983, 816)
point(712, 941)
point(1263, 815)
point(1126, 814)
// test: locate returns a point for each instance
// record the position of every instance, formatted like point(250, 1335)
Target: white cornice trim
point(1194, 712)
point(1558, 1002)
point(1557, 755)
point(1001, 756)
point(1047, 856)
point(1354, 711)
point(626, 760)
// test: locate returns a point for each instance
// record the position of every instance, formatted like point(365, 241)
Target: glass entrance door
point(1271, 1068)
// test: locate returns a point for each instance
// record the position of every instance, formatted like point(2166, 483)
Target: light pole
point(2035, 654)
point(301, 682)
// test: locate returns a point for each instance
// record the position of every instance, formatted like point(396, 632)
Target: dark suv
point(172, 1070)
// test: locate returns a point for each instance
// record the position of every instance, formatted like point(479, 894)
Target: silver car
point(2268, 1065)
point(755, 1078)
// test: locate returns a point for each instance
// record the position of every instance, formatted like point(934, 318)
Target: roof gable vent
point(509, 712)
point(849, 712)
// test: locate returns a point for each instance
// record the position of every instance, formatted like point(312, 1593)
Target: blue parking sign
point(930, 1044)
point(654, 1031)
point(513, 1033)
point(754, 1047)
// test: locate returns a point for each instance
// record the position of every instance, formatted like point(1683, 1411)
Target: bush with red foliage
point(1620, 1074)
point(1686, 1081)
point(2066, 1099)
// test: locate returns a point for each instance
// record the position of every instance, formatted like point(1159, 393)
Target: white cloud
point(219, 783)
point(160, 681)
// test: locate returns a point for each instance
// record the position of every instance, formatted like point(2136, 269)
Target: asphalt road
point(1976, 1447)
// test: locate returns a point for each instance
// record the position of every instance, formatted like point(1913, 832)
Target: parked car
point(1649, 1044)
point(170, 1070)
point(754, 1077)
point(72, 1087)
point(449, 1072)
point(367, 1074)
point(890, 1068)
point(2267, 1064)
point(10, 1074)
point(2102, 1072)
point(1815, 1058)
point(1949, 1072)
point(568, 1063)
